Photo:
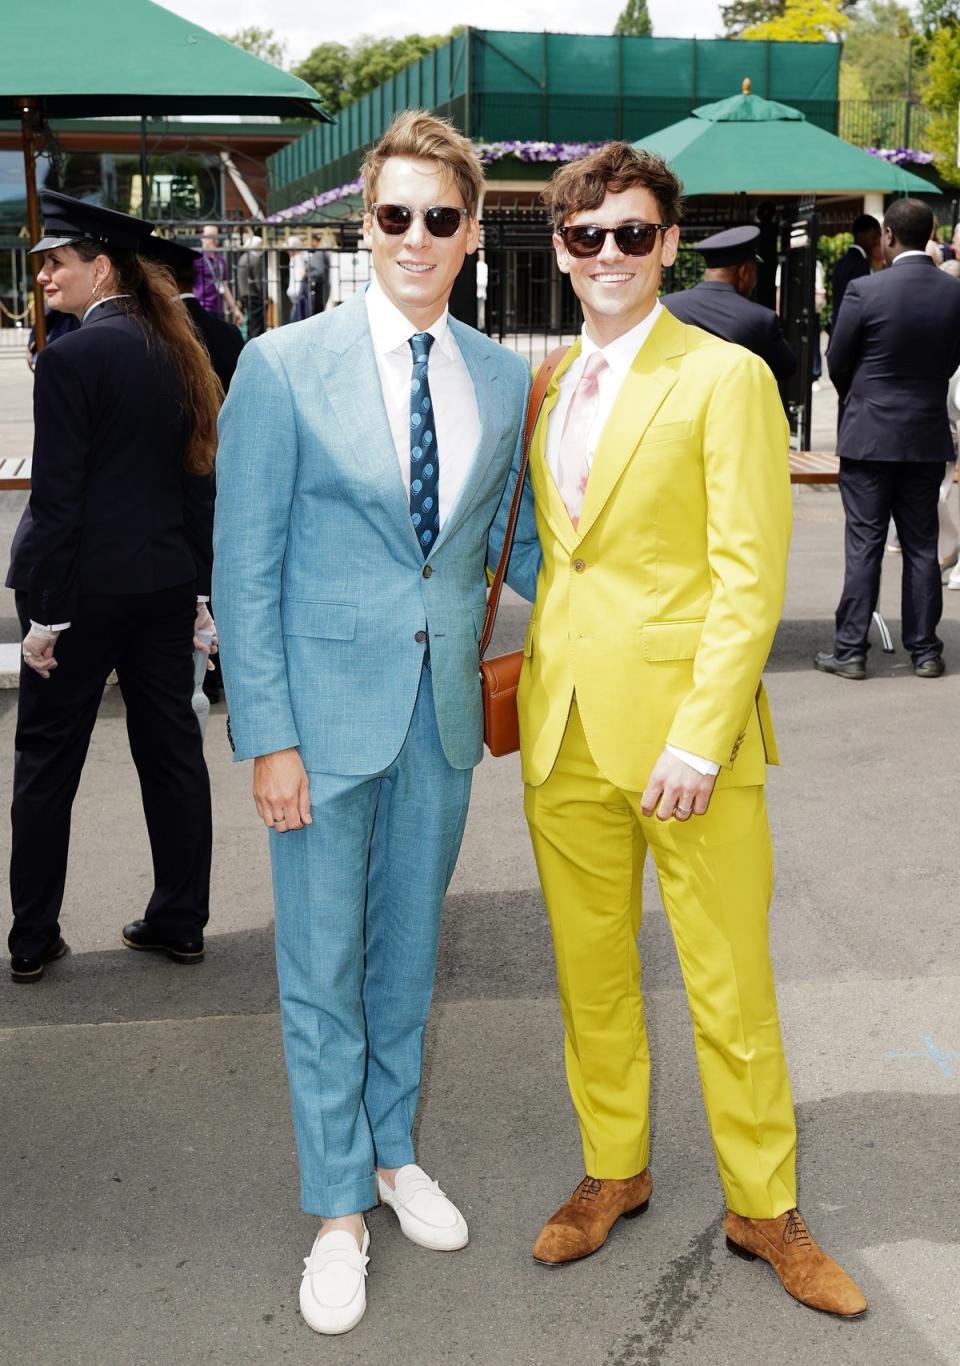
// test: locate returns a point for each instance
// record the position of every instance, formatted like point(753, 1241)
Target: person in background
point(223, 340)
point(893, 349)
point(857, 261)
point(298, 290)
point(111, 570)
point(58, 325)
point(722, 302)
point(252, 285)
point(210, 283)
point(933, 248)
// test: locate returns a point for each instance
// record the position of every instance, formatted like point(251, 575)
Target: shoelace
point(589, 1188)
point(795, 1230)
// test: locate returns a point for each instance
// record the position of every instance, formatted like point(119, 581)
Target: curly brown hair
point(584, 184)
point(164, 317)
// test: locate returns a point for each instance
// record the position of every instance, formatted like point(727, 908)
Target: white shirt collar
point(901, 254)
point(621, 353)
point(189, 295)
point(391, 331)
point(88, 311)
point(857, 247)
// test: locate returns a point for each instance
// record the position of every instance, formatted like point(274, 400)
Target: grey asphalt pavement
point(150, 1207)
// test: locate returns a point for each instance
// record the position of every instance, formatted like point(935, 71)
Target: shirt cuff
point(61, 626)
point(201, 598)
point(705, 766)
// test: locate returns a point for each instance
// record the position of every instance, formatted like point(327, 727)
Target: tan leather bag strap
point(534, 404)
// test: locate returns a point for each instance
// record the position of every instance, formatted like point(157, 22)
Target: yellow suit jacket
point(660, 609)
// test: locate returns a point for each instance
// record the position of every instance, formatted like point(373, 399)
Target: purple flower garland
point(488, 152)
point(901, 156)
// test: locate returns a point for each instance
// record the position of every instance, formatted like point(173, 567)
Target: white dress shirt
point(619, 355)
point(456, 416)
point(901, 254)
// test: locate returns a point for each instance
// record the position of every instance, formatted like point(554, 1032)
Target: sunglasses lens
point(635, 239)
point(393, 219)
point(584, 240)
point(442, 222)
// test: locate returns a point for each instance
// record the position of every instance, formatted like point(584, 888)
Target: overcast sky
point(304, 24)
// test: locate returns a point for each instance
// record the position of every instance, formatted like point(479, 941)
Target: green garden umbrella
point(87, 58)
point(748, 145)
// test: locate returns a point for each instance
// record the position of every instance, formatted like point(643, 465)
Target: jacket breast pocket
point(323, 620)
point(666, 431)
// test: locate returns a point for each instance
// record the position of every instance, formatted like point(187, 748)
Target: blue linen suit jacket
point(320, 588)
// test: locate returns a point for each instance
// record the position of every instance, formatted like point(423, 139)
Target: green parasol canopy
point(748, 145)
point(82, 58)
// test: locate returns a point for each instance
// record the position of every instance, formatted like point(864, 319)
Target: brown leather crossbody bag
point(499, 676)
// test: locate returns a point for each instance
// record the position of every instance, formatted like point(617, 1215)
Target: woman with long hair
point(111, 567)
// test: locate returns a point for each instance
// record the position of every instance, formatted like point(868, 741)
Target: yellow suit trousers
point(715, 872)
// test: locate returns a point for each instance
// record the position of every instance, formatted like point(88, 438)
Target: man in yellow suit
point(660, 481)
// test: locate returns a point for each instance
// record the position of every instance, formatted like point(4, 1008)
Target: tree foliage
point(264, 43)
point(340, 74)
point(875, 54)
point(942, 96)
point(804, 21)
point(634, 20)
point(937, 14)
point(740, 15)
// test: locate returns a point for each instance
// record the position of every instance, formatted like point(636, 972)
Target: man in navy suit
point(722, 302)
point(855, 261)
point(895, 344)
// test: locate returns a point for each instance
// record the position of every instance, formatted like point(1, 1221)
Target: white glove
point(205, 622)
point(38, 647)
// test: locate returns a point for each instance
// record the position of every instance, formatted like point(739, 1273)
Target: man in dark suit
point(721, 303)
point(894, 346)
point(855, 261)
point(223, 340)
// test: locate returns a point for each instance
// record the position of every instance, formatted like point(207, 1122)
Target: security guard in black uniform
point(721, 303)
point(111, 567)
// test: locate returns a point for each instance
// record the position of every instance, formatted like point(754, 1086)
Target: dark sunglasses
point(633, 239)
point(440, 221)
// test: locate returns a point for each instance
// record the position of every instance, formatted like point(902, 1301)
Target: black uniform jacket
point(718, 308)
point(894, 346)
point(223, 340)
point(112, 509)
point(852, 265)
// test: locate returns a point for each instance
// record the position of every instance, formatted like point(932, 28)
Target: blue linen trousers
point(358, 898)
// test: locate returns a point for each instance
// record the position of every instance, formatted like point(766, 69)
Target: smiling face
point(616, 291)
point(416, 270)
point(71, 284)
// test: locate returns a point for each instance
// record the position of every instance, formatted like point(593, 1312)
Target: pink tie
point(572, 467)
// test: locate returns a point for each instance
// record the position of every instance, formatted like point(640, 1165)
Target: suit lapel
point(546, 493)
point(352, 387)
point(647, 383)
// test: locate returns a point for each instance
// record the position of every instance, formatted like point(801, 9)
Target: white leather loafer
point(333, 1291)
point(426, 1216)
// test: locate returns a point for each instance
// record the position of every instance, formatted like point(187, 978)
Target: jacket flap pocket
point(666, 431)
point(663, 640)
point(327, 620)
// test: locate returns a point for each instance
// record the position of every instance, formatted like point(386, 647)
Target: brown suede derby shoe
point(580, 1226)
point(805, 1270)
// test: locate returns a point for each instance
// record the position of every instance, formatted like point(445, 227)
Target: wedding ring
point(683, 810)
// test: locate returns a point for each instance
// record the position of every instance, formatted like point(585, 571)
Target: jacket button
point(420, 637)
point(579, 565)
point(427, 570)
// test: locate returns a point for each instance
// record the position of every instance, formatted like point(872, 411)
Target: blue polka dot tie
point(424, 460)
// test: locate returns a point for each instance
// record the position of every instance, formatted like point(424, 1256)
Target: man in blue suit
point(363, 456)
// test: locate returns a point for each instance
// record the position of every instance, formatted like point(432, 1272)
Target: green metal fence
point(559, 87)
